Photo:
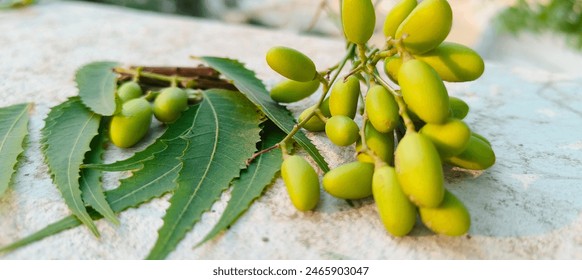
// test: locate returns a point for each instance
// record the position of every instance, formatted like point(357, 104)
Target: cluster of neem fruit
point(406, 133)
point(132, 123)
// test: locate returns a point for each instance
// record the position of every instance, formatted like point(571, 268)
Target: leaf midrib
point(5, 139)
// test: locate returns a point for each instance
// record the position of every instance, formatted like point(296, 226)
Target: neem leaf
point(227, 130)
point(96, 83)
point(246, 81)
point(73, 126)
point(252, 181)
point(90, 180)
point(13, 130)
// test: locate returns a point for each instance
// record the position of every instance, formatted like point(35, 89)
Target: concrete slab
point(525, 207)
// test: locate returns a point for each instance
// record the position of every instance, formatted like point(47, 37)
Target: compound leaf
point(96, 82)
point(246, 81)
point(73, 126)
point(13, 130)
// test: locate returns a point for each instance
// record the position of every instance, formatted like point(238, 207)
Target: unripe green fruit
point(324, 108)
point(392, 67)
point(292, 91)
point(382, 109)
point(450, 138)
point(397, 213)
point(382, 144)
point(419, 170)
point(301, 181)
point(314, 124)
point(291, 64)
point(450, 218)
point(350, 181)
point(396, 16)
point(477, 156)
point(424, 91)
point(131, 124)
point(129, 90)
point(426, 26)
point(481, 137)
point(454, 62)
point(170, 104)
point(358, 20)
point(343, 99)
point(459, 109)
point(341, 130)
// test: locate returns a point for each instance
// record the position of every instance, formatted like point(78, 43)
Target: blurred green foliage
point(560, 16)
point(182, 7)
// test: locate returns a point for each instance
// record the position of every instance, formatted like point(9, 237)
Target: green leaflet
point(96, 83)
point(227, 130)
point(90, 180)
point(246, 81)
point(13, 130)
point(252, 181)
point(70, 125)
point(155, 179)
point(135, 162)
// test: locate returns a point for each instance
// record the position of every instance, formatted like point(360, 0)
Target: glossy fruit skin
point(477, 156)
point(170, 104)
point(350, 181)
point(392, 67)
point(450, 138)
point(324, 108)
point(459, 108)
point(129, 90)
point(289, 91)
point(397, 213)
point(426, 26)
point(382, 144)
point(291, 64)
point(450, 218)
point(382, 109)
point(419, 170)
point(131, 124)
point(343, 99)
point(454, 62)
point(301, 181)
point(396, 16)
point(481, 137)
point(314, 124)
point(423, 91)
point(341, 130)
point(358, 20)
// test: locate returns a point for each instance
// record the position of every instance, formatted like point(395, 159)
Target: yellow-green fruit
point(454, 62)
point(459, 109)
point(450, 138)
point(477, 156)
point(170, 104)
point(314, 124)
point(382, 144)
point(426, 26)
point(424, 91)
point(481, 137)
point(301, 181)
point(358, 20)
point(129, 90)
point(291, 64)
point(450, 218)
point(341, 130)
point(131, 124)
point(398, 214)
point(419, 170)
point(350, 181)
point(343, 99)
point(392, 67)
point(397, 15)
point(382, 109)
point(324, 107)
point(292, 91)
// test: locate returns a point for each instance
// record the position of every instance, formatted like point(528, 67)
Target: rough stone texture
point(525, 207)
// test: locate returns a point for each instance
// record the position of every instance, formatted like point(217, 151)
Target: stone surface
point(527, 206)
